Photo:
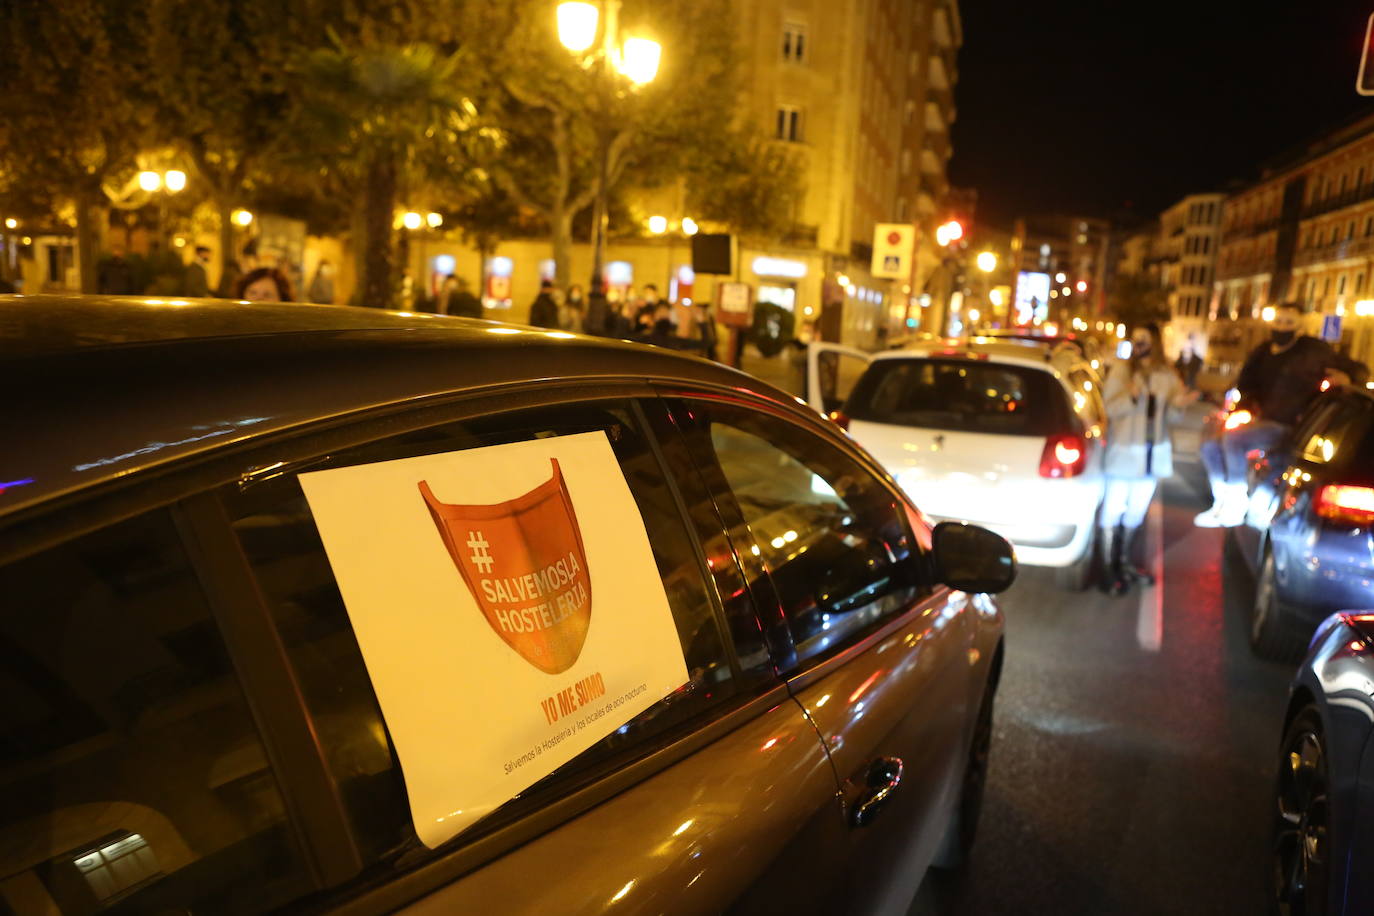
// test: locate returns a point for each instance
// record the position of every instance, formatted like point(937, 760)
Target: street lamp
point(689, 226)
point(412, 220)
point(658, 224)
point(987, 262)
point(636, 60)
point(242, 218)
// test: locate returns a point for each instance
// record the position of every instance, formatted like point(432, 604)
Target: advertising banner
point(1032, 296)
point(508, 608)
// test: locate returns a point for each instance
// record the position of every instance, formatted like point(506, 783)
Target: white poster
point(508, 608)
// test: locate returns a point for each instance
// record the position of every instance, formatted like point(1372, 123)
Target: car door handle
point(884, 776)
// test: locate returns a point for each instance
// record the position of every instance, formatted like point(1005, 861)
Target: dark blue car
point(1310, 530)
point(1324, 793)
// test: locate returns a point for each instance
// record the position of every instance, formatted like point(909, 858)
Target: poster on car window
point(508, 608)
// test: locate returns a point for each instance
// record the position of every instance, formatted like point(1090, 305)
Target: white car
point(1007, 434)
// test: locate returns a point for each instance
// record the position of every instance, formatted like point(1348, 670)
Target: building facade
point(1305, 232)
point(1186, 250)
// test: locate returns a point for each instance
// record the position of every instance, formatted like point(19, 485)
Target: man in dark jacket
point(544, 310)
point(1278, 380)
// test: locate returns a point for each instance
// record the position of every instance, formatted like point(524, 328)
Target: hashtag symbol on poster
point(481, 557)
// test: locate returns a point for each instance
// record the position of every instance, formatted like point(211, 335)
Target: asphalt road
point(1133, 745)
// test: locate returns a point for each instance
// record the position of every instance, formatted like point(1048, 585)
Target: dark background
point(1114, 109)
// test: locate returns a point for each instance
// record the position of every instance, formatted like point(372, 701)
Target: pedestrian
point(1276, 383)
point(321, 290)
point(544, 309)
point(265, 284)
point(620, 320)
point(115, 276)
point(196, 283)
point(462, 302)
point(1139, 393)
point(706, 329)
point(646, 310)
point(573, 314)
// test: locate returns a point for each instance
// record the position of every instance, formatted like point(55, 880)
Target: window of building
point(1359, 178)
point(1340, 188)
point(1350, 231)
point(1340, 286)
point(789, 125)
point(134, 771)
point(1359, 283)
point(794, 42)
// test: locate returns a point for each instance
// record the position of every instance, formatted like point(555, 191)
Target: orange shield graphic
point(524, 563)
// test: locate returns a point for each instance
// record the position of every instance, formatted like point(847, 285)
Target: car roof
point(102, 387)
point(1028, 352)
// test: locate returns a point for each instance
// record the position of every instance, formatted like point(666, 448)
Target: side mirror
point(973, 559)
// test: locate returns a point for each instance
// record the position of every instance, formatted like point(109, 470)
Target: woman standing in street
point(1139, 392)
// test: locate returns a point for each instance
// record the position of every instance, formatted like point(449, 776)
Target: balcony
point(1348, 248)
point(1250, 230)
point(938, 77)
point(1353, 196)
point(1247, 267)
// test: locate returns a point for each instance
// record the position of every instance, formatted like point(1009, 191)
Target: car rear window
point(960, 394)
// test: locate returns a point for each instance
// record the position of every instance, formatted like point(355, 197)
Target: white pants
point(1127, 501)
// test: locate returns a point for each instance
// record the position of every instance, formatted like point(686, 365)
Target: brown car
point(192, 715)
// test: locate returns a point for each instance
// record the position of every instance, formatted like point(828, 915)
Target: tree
point(370, 109)
point(751, 184)
point(1138, 298)
point(221, 90)
point(73, 114)
point(486, 215)
point(558, 117)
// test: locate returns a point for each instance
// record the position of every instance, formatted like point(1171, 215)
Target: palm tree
point(370, 110)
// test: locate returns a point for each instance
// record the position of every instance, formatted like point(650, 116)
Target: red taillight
point(1064, 456)
point(1343, 503)
point(840, 418)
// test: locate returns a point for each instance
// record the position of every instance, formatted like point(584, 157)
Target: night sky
point(1115, 109)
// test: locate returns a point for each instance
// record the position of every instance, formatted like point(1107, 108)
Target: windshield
point(960, 395)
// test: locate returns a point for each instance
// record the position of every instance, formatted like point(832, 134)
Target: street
point(1132, 756)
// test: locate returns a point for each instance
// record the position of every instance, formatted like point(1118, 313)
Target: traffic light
point(1364, 84)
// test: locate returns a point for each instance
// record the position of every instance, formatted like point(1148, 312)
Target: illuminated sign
point(779, 267)
point(1032, 296)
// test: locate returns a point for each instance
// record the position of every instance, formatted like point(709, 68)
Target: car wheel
point(963, 823)
point(1302, 819)
point(1078, 575)
point(1273, 632)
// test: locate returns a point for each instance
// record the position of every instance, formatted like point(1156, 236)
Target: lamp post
point(635, 60)
point(171, 181)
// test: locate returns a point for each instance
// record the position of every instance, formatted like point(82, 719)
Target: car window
point(1336, 435)
point(133, 778)
point(278, 533)
point(960, 395)
point(832, 537)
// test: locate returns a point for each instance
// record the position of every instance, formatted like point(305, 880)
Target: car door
point(889, 667)
point(693, 806)
point(832, 370)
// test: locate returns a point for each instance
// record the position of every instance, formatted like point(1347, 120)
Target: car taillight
point(1064, 456)
point(840, 418)
point(1344, 503)
point(1238, 419)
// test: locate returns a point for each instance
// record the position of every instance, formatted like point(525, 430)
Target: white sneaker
point(1212, 518)
point(1235, 506)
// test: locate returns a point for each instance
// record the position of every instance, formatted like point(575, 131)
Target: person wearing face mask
point(1278, 380)
point(1138, 392)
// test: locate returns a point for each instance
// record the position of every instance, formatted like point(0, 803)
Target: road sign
point(893, 245)
point(1331, 328)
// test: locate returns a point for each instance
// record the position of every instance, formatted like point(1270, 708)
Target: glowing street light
point(689, 226)
point(242, 217)
point(987, 262)
point(11, 223)
point(996, 298)
point(174, 180)
point(149, 181)
point(412, 220)
point(1267, 313)
point(1082, 286)
point(577, 25)
point(658, 224)
point(434, 220)
point(1364, 308)
point(639, 60)
point(1059, 277)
